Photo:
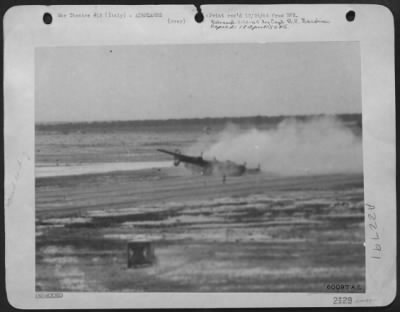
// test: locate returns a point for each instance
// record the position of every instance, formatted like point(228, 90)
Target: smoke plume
point(318, 145)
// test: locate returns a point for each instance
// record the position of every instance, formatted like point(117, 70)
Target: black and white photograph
point(211, 156)
point(199, 168)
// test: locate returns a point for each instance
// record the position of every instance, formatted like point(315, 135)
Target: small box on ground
point(140, 253)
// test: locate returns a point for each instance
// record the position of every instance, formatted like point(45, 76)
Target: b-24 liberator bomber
point(210, 167)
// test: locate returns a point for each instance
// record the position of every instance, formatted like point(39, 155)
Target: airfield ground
point(253, 233)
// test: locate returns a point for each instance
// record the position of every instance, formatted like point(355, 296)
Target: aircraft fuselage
point(209, 167)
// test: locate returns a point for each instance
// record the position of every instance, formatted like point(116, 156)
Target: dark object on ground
point(140, 253)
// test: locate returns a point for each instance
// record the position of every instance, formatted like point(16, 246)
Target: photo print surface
point(199, 168)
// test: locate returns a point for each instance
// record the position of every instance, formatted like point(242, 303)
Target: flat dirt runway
point(252, 233)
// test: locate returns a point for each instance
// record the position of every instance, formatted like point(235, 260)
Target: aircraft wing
point(185, 158)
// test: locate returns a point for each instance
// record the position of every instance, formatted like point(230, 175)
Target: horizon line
point(189, 118)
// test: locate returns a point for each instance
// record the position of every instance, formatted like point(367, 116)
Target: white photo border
point(24, 31)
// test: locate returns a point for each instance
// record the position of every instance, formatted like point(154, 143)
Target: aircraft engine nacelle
point(176, 162)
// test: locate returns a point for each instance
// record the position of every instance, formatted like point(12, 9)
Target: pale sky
point(190, 81)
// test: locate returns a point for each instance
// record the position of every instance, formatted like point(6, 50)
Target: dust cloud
point(317, 146)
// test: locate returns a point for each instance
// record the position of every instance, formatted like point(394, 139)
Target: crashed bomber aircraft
point(210, 167)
